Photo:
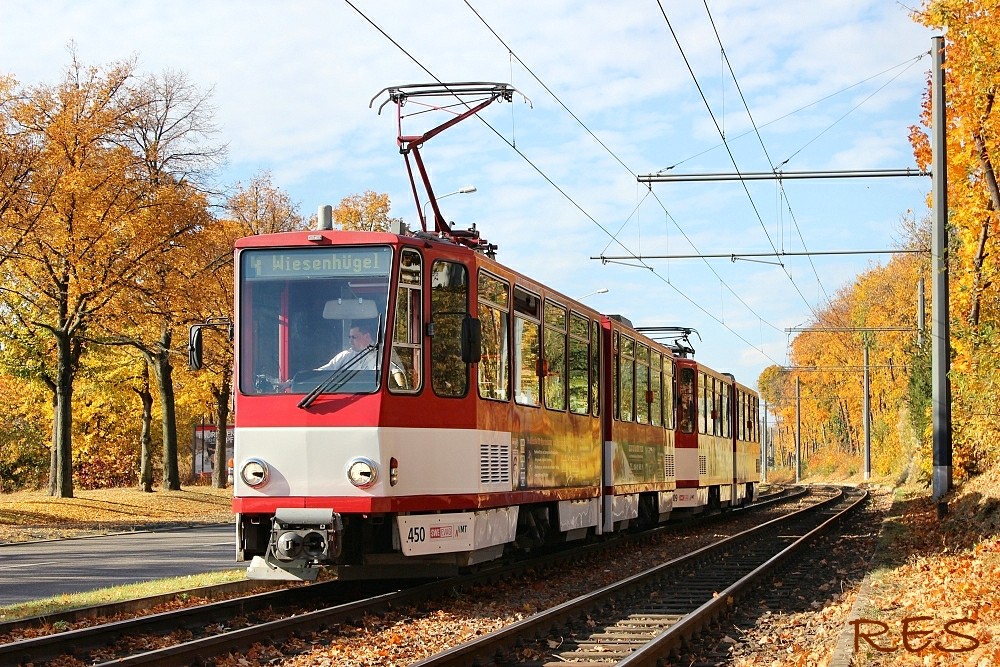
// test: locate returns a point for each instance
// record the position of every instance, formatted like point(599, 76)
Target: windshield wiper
point(337, 378)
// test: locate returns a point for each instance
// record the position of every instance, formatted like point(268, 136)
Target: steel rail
point(46, 647)
point(650, 654)
point(711, 558)
point(80, 641)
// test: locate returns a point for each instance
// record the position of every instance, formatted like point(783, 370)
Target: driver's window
point(404, 373)
point(449, 307)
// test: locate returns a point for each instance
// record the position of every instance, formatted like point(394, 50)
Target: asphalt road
point(38, 570)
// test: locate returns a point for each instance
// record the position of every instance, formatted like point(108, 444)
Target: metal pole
point(940, 325)
point(868, 420)
point(763, 446)
point(798, 428)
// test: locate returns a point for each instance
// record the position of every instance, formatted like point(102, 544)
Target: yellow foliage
point(829, 367)
point(972, 37)
point(365, 212)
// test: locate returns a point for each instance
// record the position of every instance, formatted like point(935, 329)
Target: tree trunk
point(220, 476)
point(165, 383)
point(989, 174)
point(62, 486)
point(977, 267)
point(146, 439)
point(54, 448)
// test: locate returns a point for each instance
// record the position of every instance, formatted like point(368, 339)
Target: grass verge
point(69, 602)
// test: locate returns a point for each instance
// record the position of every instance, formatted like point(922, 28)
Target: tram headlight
point(254, 472)
point(362, 472)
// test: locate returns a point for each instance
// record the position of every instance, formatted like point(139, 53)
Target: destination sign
point(315, 263)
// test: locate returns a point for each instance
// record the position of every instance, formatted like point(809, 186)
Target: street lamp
point(603, 290)
point(461, 191)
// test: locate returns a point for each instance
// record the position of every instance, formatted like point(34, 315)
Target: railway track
point(211, 629)
point(639, 621)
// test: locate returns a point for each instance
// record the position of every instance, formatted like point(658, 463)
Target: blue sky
point(834, 86)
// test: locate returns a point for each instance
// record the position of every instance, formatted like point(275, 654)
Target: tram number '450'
point(416, 534)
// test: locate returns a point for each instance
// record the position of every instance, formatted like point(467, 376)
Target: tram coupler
point(301, 541)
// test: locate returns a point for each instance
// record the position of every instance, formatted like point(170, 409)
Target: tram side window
point(554, 367)
point(406, 335)
point(615, 352)
point(642, 396)
point(668, 392)
point(727, 430)
point(494, 318)
point(716, 407)
point(655, 383)
point(746, 426)
point(685, 400)
point(626, 379)
point(740, 415)
point(449, 306)
point(703, 407)
point(579, 364)
point(595, 368)
point(527, 308)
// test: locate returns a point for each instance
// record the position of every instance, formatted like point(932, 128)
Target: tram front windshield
point(302, 307)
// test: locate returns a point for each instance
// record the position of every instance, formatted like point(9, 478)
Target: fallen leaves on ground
point(34, 515)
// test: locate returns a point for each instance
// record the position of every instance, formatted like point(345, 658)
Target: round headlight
point(362, 472)
point(254, 472)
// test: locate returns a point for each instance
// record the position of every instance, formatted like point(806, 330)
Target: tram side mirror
point(472, 340)
point(195, 347)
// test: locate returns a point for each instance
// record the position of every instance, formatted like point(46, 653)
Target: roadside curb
point(119, 531)
point(843, 653)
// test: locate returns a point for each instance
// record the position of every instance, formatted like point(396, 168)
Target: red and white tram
point(484, 412)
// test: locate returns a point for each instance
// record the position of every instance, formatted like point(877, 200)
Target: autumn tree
point(878, 311)
point(368, 212)
point(259, 207)
point(171, 131)
point(972, 38)
point(79, 240)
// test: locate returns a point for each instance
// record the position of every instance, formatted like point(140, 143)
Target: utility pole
point(763, 445)
point(798, 428)
point(940, 324)
point(868, 419)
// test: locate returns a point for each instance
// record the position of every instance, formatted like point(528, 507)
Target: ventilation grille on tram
point(668, 465)
point(702, 465)
point(494, 463)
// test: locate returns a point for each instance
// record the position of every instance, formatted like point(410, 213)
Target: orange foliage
point(364, 212)
point(831, 362)
point(972, 38)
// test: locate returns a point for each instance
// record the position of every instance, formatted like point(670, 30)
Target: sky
point(608, 92)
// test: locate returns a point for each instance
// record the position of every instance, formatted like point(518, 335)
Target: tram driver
point(363, 355)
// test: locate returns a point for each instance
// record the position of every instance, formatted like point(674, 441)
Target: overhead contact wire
point(622, 163)
point(642, 264)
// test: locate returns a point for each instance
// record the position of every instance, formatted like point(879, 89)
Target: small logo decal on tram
point(447, 532)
